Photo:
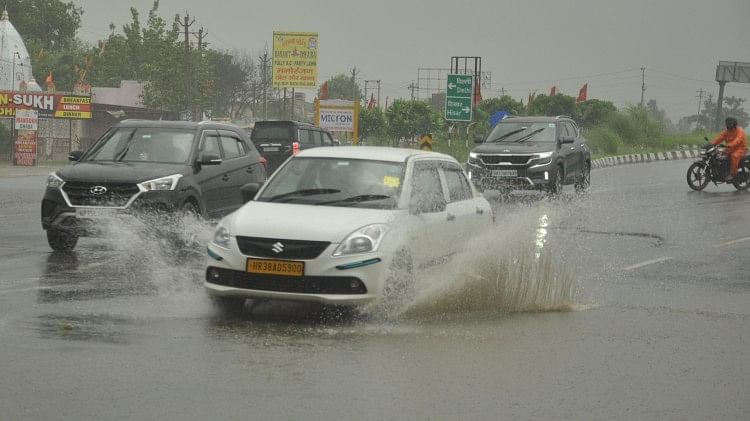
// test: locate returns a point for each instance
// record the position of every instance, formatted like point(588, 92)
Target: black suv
point(541, 153)
point(141, 167)
point(278, 140)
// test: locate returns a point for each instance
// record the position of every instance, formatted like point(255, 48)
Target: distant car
point(140, 167)
point(278, 140)
point(541, 153)
point(346, 226)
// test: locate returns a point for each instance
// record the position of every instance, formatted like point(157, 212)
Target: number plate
point(276, 267)
point(271, 149)
point(96, 213)
point(504, 173)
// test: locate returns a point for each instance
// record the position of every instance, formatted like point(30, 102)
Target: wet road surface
point(640, 309)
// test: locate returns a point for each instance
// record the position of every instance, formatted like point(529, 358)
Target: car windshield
point(336, 182)
point(522, 131)
point(270, 132)
point(129, 144)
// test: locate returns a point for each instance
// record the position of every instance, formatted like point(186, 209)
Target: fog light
point(546, 175)
point(354, 285)
point(214, 274)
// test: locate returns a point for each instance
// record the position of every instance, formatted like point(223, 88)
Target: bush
point(604, 141)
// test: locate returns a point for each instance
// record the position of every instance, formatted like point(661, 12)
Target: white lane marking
point(13, 291)
point(648, 262)
point(729, 243)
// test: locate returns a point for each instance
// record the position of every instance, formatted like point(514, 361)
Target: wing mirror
point(567, 139)
point(75, 156)
point(479, 139)
point(249, 191)
point(208, 159)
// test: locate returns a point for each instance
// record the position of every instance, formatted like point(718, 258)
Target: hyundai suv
point(541, 153)
point(143, 168)
point(278, 140)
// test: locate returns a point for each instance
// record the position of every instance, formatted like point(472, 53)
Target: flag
point(583, 93)
point(477, 93)
point(552, 91)
point(324, 90)
point(531, 100)
point(371, 103)
point(50, 82)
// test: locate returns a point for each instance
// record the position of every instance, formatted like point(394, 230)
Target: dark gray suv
point(146, 168)
point(541, 153)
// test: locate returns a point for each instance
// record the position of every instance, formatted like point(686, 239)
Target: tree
point(407, 119)
point(372, 122)
point(49, 24)
point(503, 103)
point(593, 112)
point(341, 86)
point(553, 105)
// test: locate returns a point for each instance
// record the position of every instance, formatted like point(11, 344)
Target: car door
point(210, 178)
point(469, 216)
point(567, 150)
point(430, 228)
point(238, 170)
point(580, 146)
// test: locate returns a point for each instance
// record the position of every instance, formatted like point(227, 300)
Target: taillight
point(264, 162)
point(295, 148)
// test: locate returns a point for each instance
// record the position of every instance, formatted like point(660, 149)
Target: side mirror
point(428, 204)
point(75, 156)
point(479, 139)
point(249, 191)
point(567, 139)
point(208, 159)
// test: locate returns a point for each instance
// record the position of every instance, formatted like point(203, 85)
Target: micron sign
point(48, 105)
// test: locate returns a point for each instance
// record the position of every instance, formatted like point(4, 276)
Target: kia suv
point(146, 168)
point(542, 153)
point(278, 140)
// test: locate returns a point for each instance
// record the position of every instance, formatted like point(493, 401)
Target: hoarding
point(295, 59)
point(48, 105)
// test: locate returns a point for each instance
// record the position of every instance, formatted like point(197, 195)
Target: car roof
point(177, 124)
point(536, 119)
point(376, 153)
point(284, 122)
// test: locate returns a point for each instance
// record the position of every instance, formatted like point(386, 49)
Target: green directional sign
point(459, 90)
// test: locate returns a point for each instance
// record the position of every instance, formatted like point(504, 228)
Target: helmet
point(731, 123)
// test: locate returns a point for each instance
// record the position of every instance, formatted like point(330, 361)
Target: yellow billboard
point(295, 59)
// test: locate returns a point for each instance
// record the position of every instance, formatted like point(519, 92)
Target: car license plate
point(271, 149)
point(276, 267)
point(504, 173)
point(96, 213)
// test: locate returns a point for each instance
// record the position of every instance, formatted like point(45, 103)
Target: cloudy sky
point(526, 45)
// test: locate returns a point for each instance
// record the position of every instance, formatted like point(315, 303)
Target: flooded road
point(632, 302)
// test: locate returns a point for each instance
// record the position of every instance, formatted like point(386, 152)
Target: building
point(15, 62)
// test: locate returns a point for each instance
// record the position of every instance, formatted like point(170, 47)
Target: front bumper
point(526, 177)
point(326, 279)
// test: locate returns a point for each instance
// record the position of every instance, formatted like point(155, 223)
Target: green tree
point(372, 123)
point(342, 86)
point(553, 105)
point(593, 112)
point(503, 103)
point(49, 24)
point(407, 119)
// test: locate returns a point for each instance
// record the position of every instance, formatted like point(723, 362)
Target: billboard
point(48, 105)
point(295, 59)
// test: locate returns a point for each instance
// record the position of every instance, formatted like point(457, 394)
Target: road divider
point(685, 152)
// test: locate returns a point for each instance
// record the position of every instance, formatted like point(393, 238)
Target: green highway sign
point(459, 91)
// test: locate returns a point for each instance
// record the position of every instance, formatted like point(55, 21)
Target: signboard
point(27, 120)
point(337, 120)
point(295, 59)
point(48, 105)
point(732, 71)
point(458, 97)
point(25, 148)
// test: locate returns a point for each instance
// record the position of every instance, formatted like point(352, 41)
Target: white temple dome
point(14, 58)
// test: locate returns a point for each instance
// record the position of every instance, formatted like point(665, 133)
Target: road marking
point(648, 262)
point(13, 291)
point(729, 243)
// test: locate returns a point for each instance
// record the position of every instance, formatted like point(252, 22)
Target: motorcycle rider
point(736, 144)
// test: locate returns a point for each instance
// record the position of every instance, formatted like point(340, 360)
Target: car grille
point(303, 285)
point(505, 159)
point(117, 194)
point(281, 249)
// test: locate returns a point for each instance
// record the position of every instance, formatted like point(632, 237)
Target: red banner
point(25, 148)
point(49, 105)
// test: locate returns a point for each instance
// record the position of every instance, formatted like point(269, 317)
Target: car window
point(426, 191)
point(572, 129)
point(315, 135)
point(210, 145)
point(232, 147)
point(304, 137)
point(144, 144)
point(326, 139)
point(458, 186)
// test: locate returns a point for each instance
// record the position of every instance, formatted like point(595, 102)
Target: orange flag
point(552, 91)
point(583, 93)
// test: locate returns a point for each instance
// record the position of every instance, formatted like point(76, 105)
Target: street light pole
point(13, 76)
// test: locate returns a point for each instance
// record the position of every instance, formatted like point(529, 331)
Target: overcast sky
point(527, 45)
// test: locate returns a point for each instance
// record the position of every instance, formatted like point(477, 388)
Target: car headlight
point(221, 236)
point(473, 155)
point(164, 183)
point(54, 181)
point(544, 155)
point(364, 240)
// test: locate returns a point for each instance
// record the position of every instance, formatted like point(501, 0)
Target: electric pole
point(643, 83)
point(412, 87)
point(198, 113)
point(372, 81)
point(264, 62)
point(700, 99)
point(186, 24)
point(354, 84)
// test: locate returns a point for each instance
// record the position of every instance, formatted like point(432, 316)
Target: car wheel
point(556, 184)
point(584, 181)
point(228, 305)
point(61, 241)
point(398, 290)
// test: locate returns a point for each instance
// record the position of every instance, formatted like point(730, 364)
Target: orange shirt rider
point(736, 144)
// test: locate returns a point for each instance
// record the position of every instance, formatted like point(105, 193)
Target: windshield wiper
point(304, 192)
point(120, 155)
point(510, 133)
point(356, 199)
point(528, 136)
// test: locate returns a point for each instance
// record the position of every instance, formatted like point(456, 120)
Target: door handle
point(250, 170)
point(450, 217)
point(225, 177)
point(480, 211)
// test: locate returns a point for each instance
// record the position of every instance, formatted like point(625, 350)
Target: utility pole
point(700, 99)
point(186, 24)
point(264, 62)
point(643, 83)
point(354, 84)
point(372, 81)
point(412, 87)
point(198, 114)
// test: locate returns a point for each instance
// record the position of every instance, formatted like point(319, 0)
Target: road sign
point(459, 90)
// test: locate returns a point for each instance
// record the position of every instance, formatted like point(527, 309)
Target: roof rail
point(563, 116)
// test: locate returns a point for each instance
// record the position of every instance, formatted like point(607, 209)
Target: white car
point(345, 226)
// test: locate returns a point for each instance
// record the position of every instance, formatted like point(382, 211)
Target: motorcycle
point(714, 167)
